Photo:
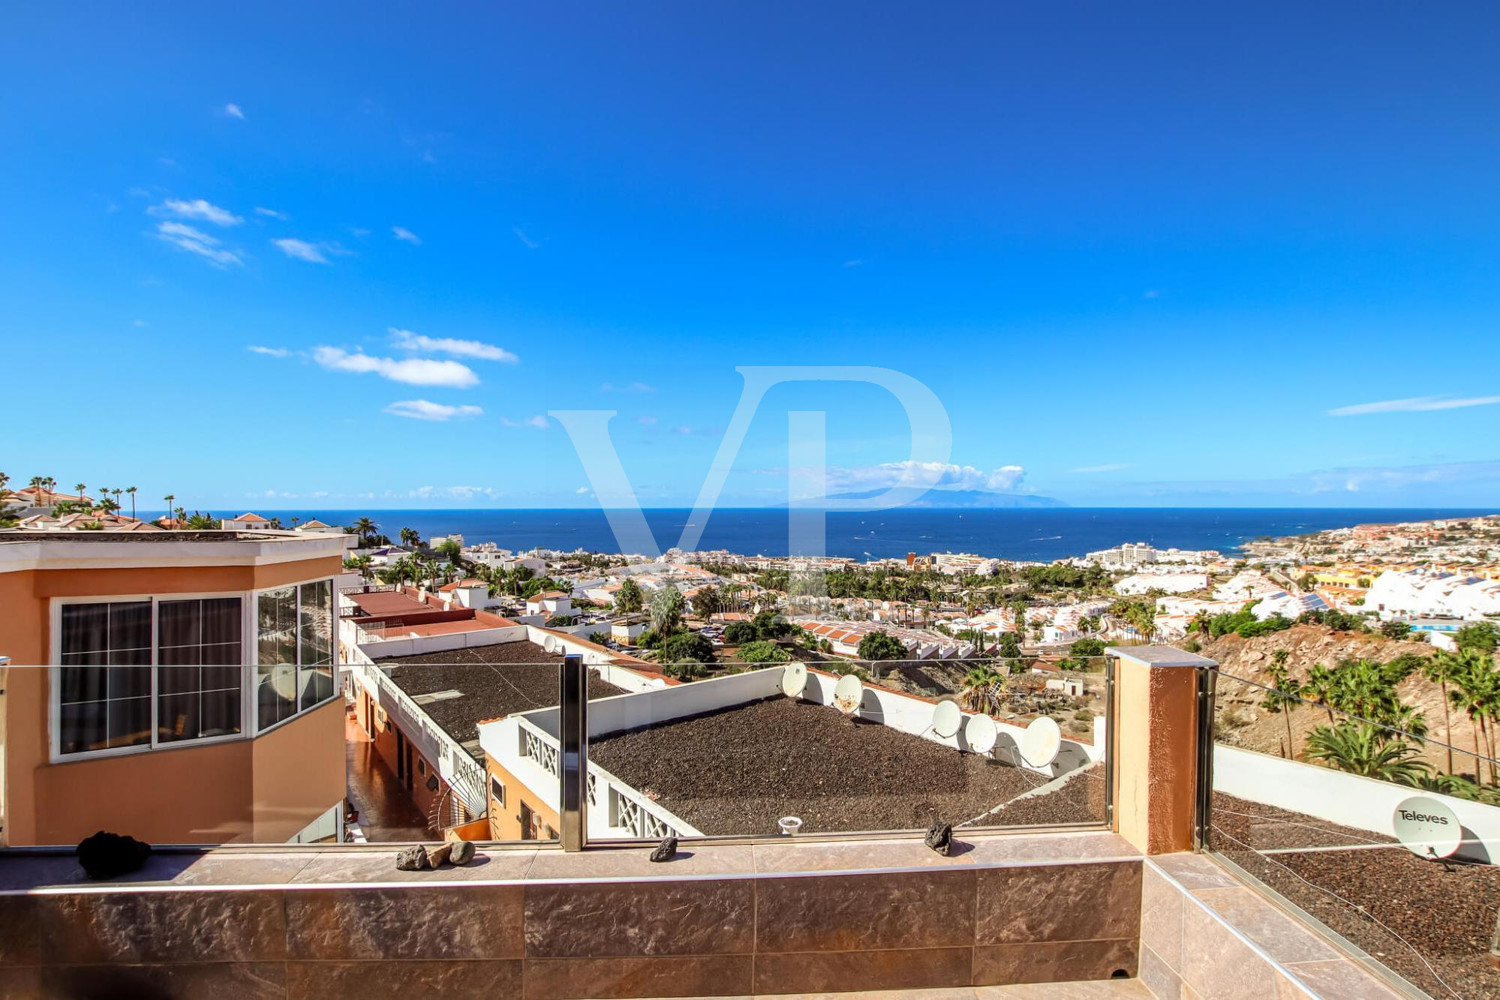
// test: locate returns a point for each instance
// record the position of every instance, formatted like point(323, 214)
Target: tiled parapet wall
point(762, 931)
point(1206, 936)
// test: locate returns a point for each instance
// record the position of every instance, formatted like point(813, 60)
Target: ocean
point(1041, 534)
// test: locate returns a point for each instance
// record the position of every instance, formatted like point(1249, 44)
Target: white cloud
point(270, 352)
point(581, 491)
point(1416, 404)
point(185, 237)
point(409, 341)
point(270, 213)
point(412, 371)
point(1400, 477)
point(931, 475)
point(646, 420)
point(537, 422)
point(139, 322)
point(233, 111)
point(421, 409)
point(406, 235)
point(530, 243)
point(1107, 467)
point(198, 210)
point(443, 493)
point(632, 387)
point(301, 250)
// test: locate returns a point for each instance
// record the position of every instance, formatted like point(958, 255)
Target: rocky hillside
point(1243, 722)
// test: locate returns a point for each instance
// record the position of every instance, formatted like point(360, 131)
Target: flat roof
point(739, 769)
point(142, 538)
point(460, 688)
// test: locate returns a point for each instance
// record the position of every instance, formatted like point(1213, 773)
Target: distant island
point(937, 499)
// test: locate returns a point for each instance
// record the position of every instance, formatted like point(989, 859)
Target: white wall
point(1339, 797)
point(397, 644)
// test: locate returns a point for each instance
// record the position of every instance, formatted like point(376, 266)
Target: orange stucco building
point(176, 686)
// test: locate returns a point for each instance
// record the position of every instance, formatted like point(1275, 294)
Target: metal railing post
point(1111, 740)
point(1208, 678)
point(573, 739)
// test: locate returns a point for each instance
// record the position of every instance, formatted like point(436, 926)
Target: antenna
point(1427, 828)
point(848, 693)
point(981, 733)
point(1041, 742)
point(946, 718)
point(794, 680)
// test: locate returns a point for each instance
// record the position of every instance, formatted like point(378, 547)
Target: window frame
point(250, 727)
point(54, 676)
point(252, 684)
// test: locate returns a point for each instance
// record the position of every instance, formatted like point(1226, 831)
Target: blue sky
point(350, 256)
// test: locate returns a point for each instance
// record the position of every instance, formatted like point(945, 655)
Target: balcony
point(1121, 860)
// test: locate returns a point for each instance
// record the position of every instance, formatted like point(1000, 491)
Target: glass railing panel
point(1347, 794)
point(827, 746)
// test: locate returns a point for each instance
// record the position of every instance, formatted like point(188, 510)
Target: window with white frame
point(294, 643)
point(119, 660)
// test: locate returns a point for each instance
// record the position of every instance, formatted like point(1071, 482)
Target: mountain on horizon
point(956, 500)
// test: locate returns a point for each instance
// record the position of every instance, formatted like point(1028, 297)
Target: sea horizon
point(1031, 534)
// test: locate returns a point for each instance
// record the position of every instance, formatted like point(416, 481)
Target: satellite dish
point(946, 718)
point(550, 644)
point(981, 733)
point(1041, 742)
point(1427, 827)
point(793, 680)
point(847, 694)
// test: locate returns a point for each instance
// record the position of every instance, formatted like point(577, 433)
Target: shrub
point(685, 670)
point(761, 651)
point(738, 633)
point(686, 646)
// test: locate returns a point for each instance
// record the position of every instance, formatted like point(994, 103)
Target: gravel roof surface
point(494, 681)
point(736, 771)
point(1429, 923)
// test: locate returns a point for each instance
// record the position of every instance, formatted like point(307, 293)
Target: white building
point(1167, 583)
point(245, 522)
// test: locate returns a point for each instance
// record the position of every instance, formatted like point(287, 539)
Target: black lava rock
point(940, 838)
point(463, 853)
point(106, 855)
point(413, 859)
point(666, 850)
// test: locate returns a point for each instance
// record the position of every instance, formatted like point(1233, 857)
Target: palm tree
point(1478, 694)
point(1440, 669)
point(979, 687)
point(365, 527)
point(131, 490)
point(169, 498)
point(409, 536)
point(1282, 695)
point(1369, 751)
point(80, 487)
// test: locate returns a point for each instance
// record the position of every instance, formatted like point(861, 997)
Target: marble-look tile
point(194, 925)
point(946, 993)
point(1282, 937)
point(1195, 871)
point(661, 976)
point(220, 980)
point(692, 861)
point(1053, 961)
point(484, 922)
point(861, 971)
point(596, 920)
point(404, 980)
point(795, 855)
point(1024, 848)
point(365, 867)
point(1059, 903)
point(20, 939)
point(1106, 989)
point(1289, 989)
point(18, 983)
point(240, 869)
point(1162, 905)
point(865, 912)
point(1341, 980)
point(1217, 964)
point(1160, 978)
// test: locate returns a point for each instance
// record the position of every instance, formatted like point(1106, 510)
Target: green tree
point(1395, 629)
point(1443, 669)
point(982, 686)
point(628, 599)
point(1283, 694)
point(409, 537)
point(1366, 750)
point(763, 651)
point(1477, 693)
point(881, 646)
point(666, 610)
point(364, 527)
point(738, 633)
point(1483, 636)
point(450, 550)
point(684, 647)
